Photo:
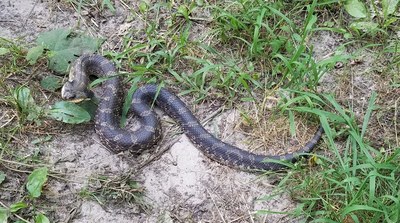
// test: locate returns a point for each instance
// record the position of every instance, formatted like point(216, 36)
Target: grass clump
point(352, 182)
point(264, 33)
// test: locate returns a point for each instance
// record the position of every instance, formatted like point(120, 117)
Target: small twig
point(8, 121)
point(212, 115)
point(124, 4)
point(73, 212)
point(19, 141)
point(239, 218)
point(82, 19)
point(200, 19)
point(327, 55)
point(197, 19)
point(16, 170)
point(30, 12)
point(216, 206)
point(94, 23)
point(17, 163)
point(16, 215)
point(251, 217)
point(21, 218)
point(163, 149)
point(52, 174)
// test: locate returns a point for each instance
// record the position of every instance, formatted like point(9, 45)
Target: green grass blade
point(371, 107)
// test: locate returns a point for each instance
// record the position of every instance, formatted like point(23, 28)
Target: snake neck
point(89, 65)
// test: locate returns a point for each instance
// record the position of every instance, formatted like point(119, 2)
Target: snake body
point(118, 139)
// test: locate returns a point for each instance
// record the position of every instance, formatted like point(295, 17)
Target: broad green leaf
point(17, 206)
point(36, 180)
point(3, 51)
point(23, 97)
point(2, 177)
point(367, 116)
point(311, 22)
point(3, 215)
point(69, 112)
point(389, 6)
point(85, 43)
point(55, 39)
point(348, 35)
point(60, 58)
point(51, 83)
point(26, 103)
point(183, 10)
point(143, 6)
point(64, 46)
point(41, 218)
point(41, 140)
point(90, 106)
point(364, 26)
point(200, 2)
point(34, 53)
point(355, 8)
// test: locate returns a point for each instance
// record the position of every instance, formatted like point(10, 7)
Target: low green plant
point(353, 182)
point(280, 49)
point(61, 47)
point(186, 10)
point(35, 181)
point(11, 59)
point(114, 188)
point(26, 106)
point(372, 17)
point(89, 4)
point(29, 111)
point(232, 78)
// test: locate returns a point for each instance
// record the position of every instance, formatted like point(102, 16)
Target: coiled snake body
point(117, 139)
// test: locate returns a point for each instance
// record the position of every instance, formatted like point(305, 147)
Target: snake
point(119, 139)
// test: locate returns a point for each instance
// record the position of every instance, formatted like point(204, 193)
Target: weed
point(282, 46)
point(36, 179)
point(356, 183)
point(114, 188)
point(61, 47)
point(383, 13)
point(92, 4)
point(11, 60)
point(25, 105)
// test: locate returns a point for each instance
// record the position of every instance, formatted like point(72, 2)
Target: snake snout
point(67, 92)
point(67, 95)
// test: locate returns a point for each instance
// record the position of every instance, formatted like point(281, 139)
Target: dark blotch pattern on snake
point(117, 139)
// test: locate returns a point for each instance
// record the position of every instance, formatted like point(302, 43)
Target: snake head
point(72, 91)
point(67, 91)
point(76, 88)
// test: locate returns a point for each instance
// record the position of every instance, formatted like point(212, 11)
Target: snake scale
point(117, 139)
